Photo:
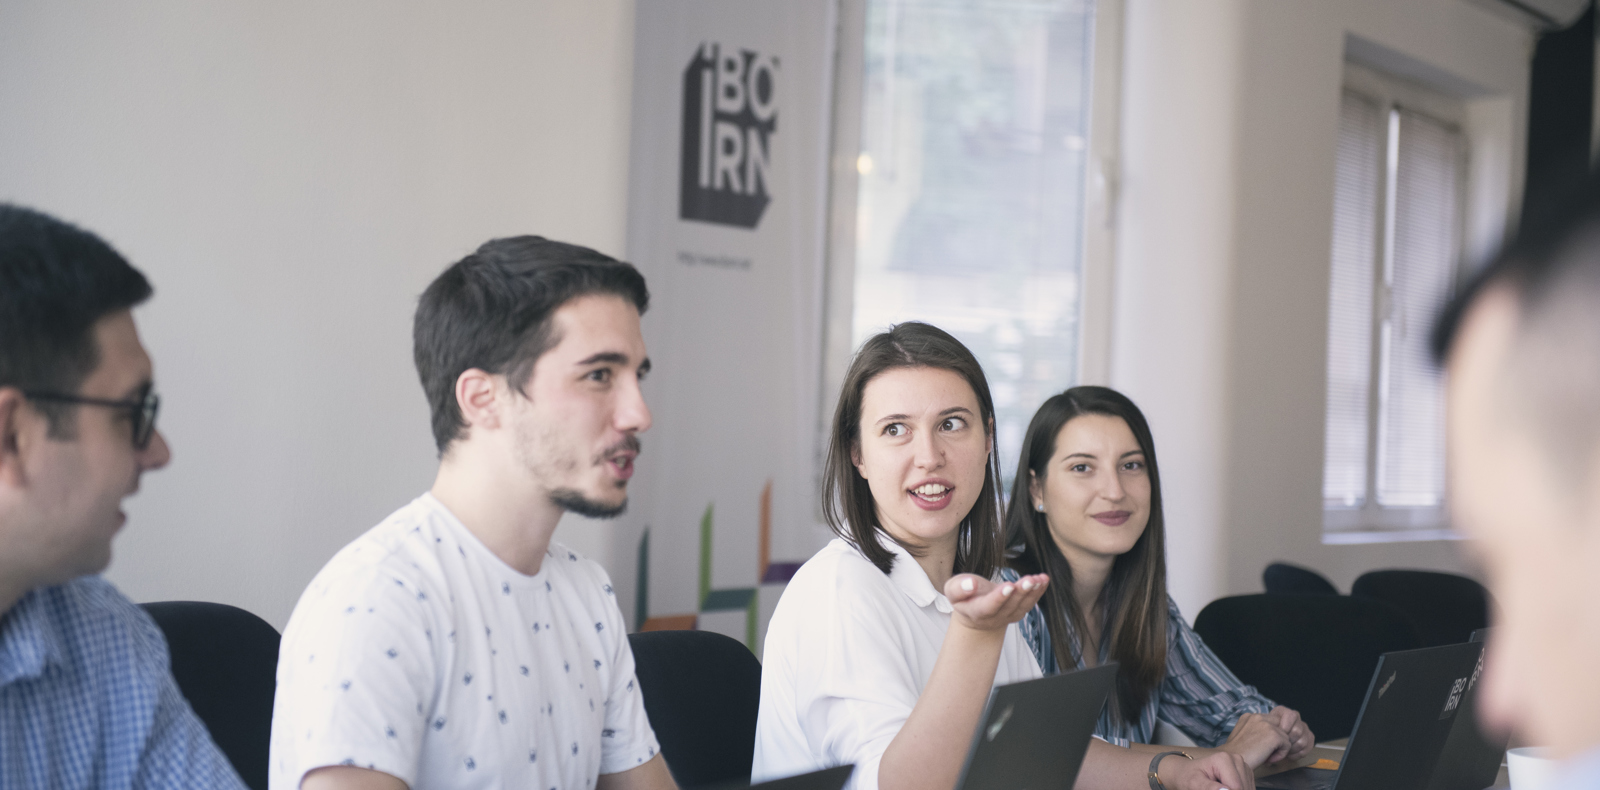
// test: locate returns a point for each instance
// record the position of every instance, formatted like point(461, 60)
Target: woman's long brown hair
point(847, 503)
point(1135, 595)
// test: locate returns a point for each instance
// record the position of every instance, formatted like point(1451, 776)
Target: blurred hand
point(983, 605)
point(1216, 771)
point(1301, 738)
point(1259, 739)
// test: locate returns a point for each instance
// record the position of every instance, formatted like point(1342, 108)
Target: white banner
point(731, 107)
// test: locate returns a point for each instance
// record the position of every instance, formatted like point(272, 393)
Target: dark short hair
point(492, 311)
point(1552, 269)
point(847, 503)
point(56, 282)
point(1136, 590)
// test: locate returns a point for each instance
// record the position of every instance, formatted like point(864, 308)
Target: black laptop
point(825, 779)
point(1413, 703)
point(1470, 759)
point(1034, 734)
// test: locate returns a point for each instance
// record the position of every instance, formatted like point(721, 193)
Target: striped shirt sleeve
point(1199, 694)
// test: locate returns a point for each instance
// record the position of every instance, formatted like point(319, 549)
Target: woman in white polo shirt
point(885, 644)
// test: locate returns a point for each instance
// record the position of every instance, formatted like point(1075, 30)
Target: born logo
point(730, 113)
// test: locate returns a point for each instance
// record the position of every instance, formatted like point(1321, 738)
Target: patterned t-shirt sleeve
point(1200, 695)
point(627, 740)
point(356, 678)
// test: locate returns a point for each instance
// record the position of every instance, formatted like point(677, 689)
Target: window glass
point(970, 209)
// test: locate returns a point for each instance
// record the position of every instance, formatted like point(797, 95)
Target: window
point(1399, 181)
point(968, 137)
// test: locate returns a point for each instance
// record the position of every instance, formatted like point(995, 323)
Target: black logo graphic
point(730, 113)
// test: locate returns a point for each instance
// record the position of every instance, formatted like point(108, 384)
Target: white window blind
point(1421, 269)
point(1357, 181)
point(1398, 180)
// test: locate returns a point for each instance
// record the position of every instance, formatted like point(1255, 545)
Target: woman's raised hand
point(984, 605)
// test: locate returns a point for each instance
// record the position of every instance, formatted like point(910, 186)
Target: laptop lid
point(1033, 734)
point(1412, 704)
point(825, 779)
point(1470, 759)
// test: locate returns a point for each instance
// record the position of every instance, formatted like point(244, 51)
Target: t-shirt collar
point(911, 579)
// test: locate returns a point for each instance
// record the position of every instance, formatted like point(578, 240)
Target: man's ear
point(478, 398)
point(13, 421)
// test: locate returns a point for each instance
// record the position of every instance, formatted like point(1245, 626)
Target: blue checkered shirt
point(87, 698)
point(1198, 694)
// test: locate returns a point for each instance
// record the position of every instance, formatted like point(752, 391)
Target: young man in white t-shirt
point(453, 645)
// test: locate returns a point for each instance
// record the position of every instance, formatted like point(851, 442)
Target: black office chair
point(1281, 577)
point(225, 661)
point(1444, 608)
point(701, 691)
point(1312, 652)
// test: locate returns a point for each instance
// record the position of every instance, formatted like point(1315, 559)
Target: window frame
point(1371, 521)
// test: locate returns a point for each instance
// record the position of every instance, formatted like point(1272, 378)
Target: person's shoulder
point(102, 621)
point(838, 565)
point(1175, 616)
point(406, 543)
point(583, 574)
point(395, 560)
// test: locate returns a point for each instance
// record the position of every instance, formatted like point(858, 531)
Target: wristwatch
point(1155, 779)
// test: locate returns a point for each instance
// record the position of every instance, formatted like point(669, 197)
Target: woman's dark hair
point(492, 310)
point(847, 502)
point(1135, 595)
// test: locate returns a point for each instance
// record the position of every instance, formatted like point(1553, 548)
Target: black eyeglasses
point(142, 411)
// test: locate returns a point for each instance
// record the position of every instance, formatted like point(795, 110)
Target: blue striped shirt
point(1198, 695)
point(87, 698)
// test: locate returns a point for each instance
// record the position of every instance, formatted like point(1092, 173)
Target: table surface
point(1334, 750)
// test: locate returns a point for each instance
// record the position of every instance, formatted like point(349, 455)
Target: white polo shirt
point(418, 652)
point(848, 653)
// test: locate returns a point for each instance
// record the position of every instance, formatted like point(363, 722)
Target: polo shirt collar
point(911, 579)
point(29, 642)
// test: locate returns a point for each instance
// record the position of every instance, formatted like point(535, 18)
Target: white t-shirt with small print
point(419, 653)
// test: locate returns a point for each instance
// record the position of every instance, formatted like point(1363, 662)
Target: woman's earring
point(1039, 506)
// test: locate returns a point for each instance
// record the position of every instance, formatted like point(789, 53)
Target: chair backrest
point(225, 661)
point(1281, 577)
point(1444, 608)
point(1312, 652)
point(701, 690)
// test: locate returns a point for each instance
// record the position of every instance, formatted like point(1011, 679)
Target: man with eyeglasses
point(86, 695)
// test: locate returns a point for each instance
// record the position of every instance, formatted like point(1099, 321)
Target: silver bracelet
point(1155, 763)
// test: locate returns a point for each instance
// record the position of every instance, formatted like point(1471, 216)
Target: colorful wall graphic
point(727, 214)
point(746, 599)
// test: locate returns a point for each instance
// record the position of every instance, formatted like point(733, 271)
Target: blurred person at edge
point(87, 699)
point(1521, 346)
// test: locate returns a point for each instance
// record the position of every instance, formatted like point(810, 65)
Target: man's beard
point(574, 501)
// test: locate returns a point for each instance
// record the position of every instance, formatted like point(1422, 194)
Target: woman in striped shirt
point(1086, 509)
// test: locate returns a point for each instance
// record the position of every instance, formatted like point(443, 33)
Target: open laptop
point(825, 779)
point(1412, 705)
point(1033, 734)
point(1470, 759)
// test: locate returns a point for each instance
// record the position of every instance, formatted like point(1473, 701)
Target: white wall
point(291, 175)
point(1229, 127)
